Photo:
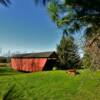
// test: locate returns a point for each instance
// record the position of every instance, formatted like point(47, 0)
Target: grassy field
point(50, 85)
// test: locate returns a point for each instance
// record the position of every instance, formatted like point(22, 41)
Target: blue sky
point(26, 27)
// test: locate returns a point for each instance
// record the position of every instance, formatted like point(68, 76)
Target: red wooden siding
point(28, 64)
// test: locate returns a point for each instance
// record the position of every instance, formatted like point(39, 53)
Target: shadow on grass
point(8, 93)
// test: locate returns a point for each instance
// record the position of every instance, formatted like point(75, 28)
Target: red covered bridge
point(32, 62)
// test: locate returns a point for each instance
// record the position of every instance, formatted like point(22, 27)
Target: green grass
point(50, 85)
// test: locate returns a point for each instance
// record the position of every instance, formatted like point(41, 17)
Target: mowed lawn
point(49, 85)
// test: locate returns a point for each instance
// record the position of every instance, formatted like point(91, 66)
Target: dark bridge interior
point(49, 65)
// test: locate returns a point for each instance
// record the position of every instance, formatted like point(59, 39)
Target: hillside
point(50, 85)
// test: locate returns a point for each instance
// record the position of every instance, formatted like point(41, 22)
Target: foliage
point(3, 60)
point(93, 52)
point(67, 52)
point(86, 63)
point(72, 14)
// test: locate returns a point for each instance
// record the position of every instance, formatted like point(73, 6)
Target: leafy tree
point(72, 14)
point(92, 50)
point(67, 53)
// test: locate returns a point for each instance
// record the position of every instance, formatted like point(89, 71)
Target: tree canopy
point(71, 14)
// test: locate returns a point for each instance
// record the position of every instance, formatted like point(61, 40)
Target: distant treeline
point(4, 59)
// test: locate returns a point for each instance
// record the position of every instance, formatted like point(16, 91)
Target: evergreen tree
point(67, 53)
